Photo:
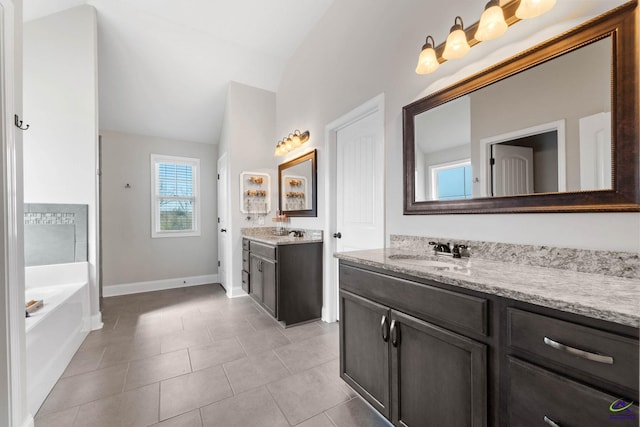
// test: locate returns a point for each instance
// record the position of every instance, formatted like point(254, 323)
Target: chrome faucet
point(445, 249)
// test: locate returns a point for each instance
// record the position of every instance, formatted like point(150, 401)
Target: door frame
point(330, 285)
point(485, 152)
point(224, 158)
point(12, 372)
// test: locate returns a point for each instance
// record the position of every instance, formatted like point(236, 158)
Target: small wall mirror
point(297, 186)
point(551, 130)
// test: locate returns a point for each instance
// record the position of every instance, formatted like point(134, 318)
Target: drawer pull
point(384, 329)
point(577, 352)
point(550, 422)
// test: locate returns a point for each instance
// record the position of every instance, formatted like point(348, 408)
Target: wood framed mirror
point(297, 195)
point(553, 129)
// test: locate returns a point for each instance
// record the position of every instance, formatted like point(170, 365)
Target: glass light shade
point(280, 150)
point(288, 144)
point(297, 142)
point(532, 8)
point(492, 24)
point(428, 61)
point(457, 45)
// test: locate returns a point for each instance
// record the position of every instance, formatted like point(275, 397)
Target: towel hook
point(19, 122)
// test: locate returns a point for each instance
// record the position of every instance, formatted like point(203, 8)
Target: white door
point(360, 191)
point(223, 201)
point(595, 152)
point(512, 170)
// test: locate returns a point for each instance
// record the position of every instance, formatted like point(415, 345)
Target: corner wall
point(61, 107)
point(248, 138)
point(133, 261)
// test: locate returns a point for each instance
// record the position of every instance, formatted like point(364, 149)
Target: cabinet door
point(364, 349)
point(438, 378)
point(255, 285)
point(269, 280)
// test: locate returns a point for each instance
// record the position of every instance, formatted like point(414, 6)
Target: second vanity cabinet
point(408, 366)
point(286, 280)
point(426, 354)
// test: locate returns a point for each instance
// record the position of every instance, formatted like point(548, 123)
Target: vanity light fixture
point(492, 23)
point(428, 60)
point(457, 44)
point(291, 142)
point(532, 8)
point(495, 20)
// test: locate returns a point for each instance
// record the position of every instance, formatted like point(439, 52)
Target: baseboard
point(158, 285)
point(96, 322)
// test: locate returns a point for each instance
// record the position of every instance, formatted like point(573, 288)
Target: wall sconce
point(428, 60)
point(492, 23)
point(291, 142)
point(532, 8)
point(457, 44)
point(495, 20)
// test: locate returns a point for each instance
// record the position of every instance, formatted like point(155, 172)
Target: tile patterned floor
point(191, 357)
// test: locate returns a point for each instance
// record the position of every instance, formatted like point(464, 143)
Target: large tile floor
point(192, 357)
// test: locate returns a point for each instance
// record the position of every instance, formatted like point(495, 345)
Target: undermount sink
point(429, 262)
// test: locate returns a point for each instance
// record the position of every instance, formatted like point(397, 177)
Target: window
point(451, 181)
point(175, 196)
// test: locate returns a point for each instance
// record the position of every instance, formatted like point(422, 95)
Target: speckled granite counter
point(609, 298)
point(265, 235)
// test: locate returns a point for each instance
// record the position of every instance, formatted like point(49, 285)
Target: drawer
point(423, 301)
point(245, 260)
point(601, 354)
point(265, 251)
point(245, 281)
point(539, 398)
point(246, 244)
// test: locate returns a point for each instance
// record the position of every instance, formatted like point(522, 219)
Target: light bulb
point(492, 23)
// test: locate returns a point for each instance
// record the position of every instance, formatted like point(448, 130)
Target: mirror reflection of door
point(511, 170)
point(525, 165)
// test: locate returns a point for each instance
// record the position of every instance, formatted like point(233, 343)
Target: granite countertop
point(609, 298)
point(265, 235)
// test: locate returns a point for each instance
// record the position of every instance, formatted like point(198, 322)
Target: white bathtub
point(55, 331)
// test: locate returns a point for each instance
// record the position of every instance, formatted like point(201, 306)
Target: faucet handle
point(456, 250)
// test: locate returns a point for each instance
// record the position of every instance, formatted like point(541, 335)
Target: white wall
point(61, 107)
point(248, 138)
point(362, 48)
point(129, 254)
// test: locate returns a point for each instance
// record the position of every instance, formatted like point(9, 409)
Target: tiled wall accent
point(52, 218)
point(55, 233)
point(620, 264)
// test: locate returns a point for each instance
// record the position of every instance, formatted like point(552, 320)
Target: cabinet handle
point(550, 422)
point(385, 330)
point(260, 266)
point(395, 334)
point(577, 352)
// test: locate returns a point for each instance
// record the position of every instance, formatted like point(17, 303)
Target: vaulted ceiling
point(164, 65)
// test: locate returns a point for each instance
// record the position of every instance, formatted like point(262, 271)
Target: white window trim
point(155, 211)
point(433, 172)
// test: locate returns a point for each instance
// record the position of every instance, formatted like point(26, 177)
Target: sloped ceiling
point(164, 65)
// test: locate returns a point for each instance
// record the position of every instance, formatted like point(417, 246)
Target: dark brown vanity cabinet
point(415, 372)
point(424, 354)
point(286, 280)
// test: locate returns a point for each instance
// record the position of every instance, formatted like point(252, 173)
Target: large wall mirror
point(297, 186)
point(554, 129)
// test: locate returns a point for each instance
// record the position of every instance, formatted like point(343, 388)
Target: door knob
point(337, 235)
point(223, 230)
